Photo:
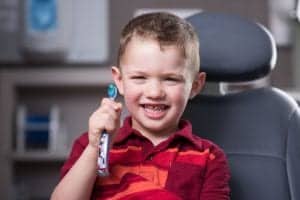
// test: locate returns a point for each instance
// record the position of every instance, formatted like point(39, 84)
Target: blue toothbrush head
point(112, 91)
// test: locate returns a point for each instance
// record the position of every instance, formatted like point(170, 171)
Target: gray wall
point(120, 11)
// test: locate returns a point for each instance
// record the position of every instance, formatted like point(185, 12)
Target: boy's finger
point(118, 106)
point(108, 102)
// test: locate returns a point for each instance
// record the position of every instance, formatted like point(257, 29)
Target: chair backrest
point(257, 126)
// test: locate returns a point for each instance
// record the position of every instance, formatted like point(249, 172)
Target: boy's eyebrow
point(135, 72)
point(176, 75)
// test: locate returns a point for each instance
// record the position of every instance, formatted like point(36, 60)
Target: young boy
point(154, 155)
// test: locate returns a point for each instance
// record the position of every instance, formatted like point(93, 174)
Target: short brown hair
point(167, 29)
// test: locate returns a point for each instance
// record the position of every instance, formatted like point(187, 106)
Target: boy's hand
point(106, 117)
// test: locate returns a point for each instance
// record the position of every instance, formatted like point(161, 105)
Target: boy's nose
point(155, 90)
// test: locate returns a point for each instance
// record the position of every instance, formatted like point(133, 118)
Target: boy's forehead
point(149, 68)
point(140, 45)
point(163, 46)
point(146, 53)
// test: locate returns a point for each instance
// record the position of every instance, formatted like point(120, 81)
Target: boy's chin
point(157, 127)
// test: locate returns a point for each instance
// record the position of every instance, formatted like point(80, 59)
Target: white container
point(46, 27)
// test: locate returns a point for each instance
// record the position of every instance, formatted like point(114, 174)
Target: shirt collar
point(184, 131)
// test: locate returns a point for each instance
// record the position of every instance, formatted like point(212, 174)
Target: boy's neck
point(155, 136)
point(156, 139)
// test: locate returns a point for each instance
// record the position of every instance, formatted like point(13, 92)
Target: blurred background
point(55, 58)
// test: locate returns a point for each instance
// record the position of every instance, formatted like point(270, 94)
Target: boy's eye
point(138, 77)
point(173, 79)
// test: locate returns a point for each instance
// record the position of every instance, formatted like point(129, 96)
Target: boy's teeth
point(155, 107)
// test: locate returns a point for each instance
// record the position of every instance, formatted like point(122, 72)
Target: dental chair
point(258, 126)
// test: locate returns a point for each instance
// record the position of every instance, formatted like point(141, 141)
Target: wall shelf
point(39, 157)
point(77, 92)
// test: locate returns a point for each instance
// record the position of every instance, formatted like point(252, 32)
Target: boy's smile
point(156, 84)
point(155, 111)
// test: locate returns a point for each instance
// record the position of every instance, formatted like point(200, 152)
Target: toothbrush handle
point(103, 154)
point(102, 161)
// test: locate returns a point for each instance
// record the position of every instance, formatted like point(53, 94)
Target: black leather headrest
point(232, 48)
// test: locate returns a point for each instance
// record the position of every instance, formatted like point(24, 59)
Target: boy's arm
point(79, 180)
point(216, 184)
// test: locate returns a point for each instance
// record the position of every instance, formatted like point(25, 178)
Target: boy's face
point(156, 85)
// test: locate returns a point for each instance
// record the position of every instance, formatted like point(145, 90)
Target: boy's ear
point(198, 84)
point(118, 79)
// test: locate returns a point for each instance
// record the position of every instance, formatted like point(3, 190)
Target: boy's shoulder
point(207, 144)
point(82, 139)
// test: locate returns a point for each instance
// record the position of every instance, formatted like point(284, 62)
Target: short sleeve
point(78, 147)
point(217, 175)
